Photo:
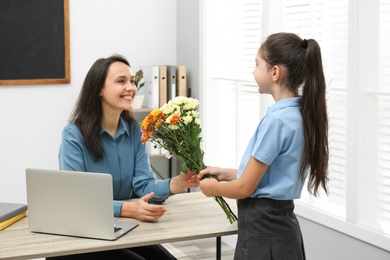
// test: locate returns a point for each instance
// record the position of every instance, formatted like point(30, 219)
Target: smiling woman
point(104, 137)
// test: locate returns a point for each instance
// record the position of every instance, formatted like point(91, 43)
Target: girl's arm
point(238, 188)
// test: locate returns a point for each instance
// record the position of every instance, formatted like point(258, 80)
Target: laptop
point(73, 203)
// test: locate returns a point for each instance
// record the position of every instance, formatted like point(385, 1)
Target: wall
point(323, 243)
point(32, 117)
point(188, 42)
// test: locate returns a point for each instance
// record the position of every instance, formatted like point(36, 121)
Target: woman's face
point(118, 91)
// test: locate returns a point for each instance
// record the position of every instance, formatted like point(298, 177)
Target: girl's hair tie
point(304, 43)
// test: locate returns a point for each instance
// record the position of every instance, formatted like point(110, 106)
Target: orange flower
point(174, 119)
point(144, 138)
point(158, 123)
point(156, 113)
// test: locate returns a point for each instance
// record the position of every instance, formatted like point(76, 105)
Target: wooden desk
point(189, 216)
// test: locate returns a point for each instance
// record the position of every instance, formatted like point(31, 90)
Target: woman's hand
point(183, 181)
point(142, 210)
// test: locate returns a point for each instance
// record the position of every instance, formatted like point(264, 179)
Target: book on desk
point(10, 213)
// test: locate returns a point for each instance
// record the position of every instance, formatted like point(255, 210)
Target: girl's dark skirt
point(268, 230)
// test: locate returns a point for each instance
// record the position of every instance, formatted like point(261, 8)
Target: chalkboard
point(34, 42)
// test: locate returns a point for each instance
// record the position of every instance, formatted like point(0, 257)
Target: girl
point(290, 142)
point(104, 137)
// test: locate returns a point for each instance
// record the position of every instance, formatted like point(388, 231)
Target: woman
point(104, 137)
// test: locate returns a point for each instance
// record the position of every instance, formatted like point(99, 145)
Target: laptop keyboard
point(116, 229)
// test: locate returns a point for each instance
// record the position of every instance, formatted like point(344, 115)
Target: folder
point(155, 88)
point(151, 87)
point(152, 148)
point(181, 80)
point(163, 87)
point(171, 76)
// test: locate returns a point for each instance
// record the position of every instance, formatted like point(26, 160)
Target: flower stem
point(223, 204)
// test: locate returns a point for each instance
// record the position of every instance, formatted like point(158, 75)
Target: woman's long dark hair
point(87, 114)
point(302, 63)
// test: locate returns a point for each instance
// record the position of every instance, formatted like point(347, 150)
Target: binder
point(171, 81)
point(155, 88)
point(152, 148)
point(181, 80)
point(151, 87)
point(163, 87)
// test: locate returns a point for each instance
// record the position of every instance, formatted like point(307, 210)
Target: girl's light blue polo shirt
point(126, 159)
point(278, 142)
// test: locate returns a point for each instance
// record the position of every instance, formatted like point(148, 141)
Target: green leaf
point(183, 167)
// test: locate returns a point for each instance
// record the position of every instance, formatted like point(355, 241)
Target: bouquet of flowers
point(176, 128)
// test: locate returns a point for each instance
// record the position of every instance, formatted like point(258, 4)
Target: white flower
point(168, 108)
point(177, 111)
point(187, 119)
point(179, 100)
point(191, 104)
point(197, 121)
point(173, 127)
point(194, 113)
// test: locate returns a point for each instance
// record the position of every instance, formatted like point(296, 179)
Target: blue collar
point(287, 102)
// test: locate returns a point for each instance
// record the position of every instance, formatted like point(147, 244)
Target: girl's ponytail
point(315, 120)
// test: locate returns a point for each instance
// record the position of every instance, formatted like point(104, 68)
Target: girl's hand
point(222, 174)
point(142, 210)
point(207, 186)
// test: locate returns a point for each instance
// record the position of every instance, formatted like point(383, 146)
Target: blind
point(383, 180)
point(233, 37)
point(326, 22)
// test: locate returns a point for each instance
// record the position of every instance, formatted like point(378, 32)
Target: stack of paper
point(10, 213)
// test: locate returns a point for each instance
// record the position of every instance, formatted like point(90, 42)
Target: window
point(233, 38)
point(354, 36)
point(327, 22)
point(383, 181)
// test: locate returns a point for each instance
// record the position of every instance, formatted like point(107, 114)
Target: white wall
point(188, 43)
point(323, 243)
point(32, 117)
